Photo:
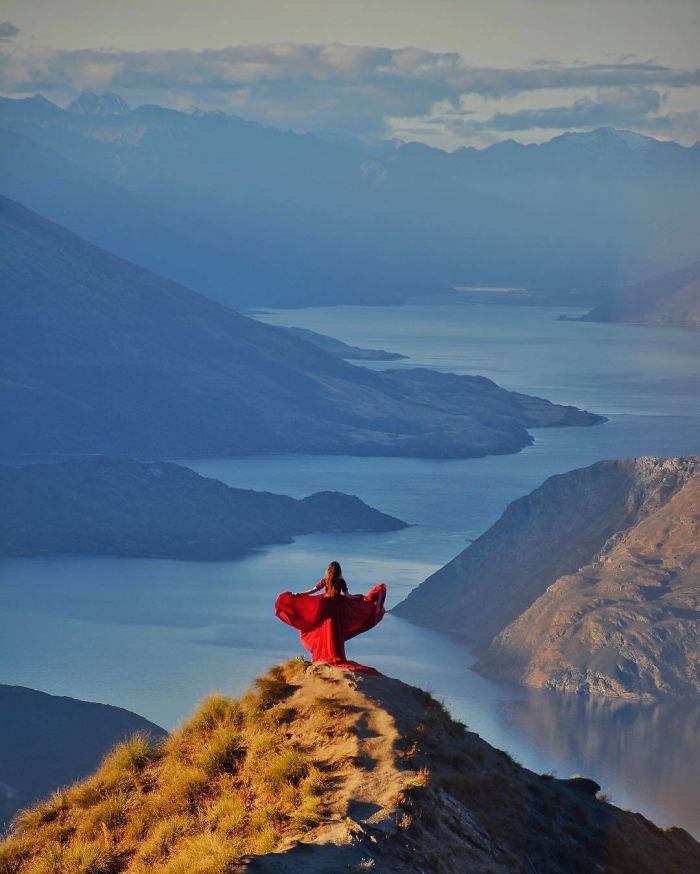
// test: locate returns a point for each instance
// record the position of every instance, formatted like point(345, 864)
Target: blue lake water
point(155, 636)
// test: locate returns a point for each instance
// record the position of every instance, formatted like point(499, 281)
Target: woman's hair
point(335, 583)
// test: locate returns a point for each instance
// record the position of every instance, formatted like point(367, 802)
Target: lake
point(155, 636)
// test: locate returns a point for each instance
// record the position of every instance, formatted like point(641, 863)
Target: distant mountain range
point(49, 741)
point(253, 216)
point(671, 300)
point(103, 506)
point(102, 357)
point(589, 584)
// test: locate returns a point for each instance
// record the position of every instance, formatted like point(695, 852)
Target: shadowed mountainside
point(342, 350)
point(251, 215)
point(47, 741)
point(320, 770)
point(671, 300)
point(588, 584)
point(101, 506)
point(101, 356)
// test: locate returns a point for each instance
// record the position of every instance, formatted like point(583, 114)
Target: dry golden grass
point(333, 760)
point(229, 782)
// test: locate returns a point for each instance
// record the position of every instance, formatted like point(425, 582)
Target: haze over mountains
point(101, 356)
point(671, 300)
point(253, 215)
point(590, 584)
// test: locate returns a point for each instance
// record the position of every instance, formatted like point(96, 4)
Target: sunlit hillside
point(316, 769)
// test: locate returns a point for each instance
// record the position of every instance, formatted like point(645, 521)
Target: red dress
point(325, 622)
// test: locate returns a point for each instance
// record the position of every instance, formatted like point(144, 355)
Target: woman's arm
point(312, 590)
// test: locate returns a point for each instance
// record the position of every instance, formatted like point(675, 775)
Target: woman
point(326, 622)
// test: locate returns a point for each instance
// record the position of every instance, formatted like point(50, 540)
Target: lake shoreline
point(156, 635)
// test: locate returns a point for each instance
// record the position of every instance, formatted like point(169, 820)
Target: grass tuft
point(110, 813)
point(215, 710)
point(79, 857)
point(271, 689)
point(85, 794)
point(13, 852)
point(180, 790)
point(290, 766)
point(228, 814)
point(164, 835)
point(122, 766)
point(222, 751)
point(206, 853)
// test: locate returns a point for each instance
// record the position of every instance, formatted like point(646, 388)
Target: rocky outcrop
point(321, 770)
point(590, 583)
point(102, 506)
point(625, 624)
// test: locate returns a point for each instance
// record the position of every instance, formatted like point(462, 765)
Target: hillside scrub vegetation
point(319, 769)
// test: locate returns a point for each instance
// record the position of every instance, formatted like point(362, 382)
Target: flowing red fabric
point(325, 622)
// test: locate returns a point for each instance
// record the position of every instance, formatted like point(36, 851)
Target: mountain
point(47, 741)
point(320, 770)
point(90, 103)
point(240, 246)
point(102, 506)
point(671, 300)
point(125, 222)
point(588, 584)
point(102, 357)
point(342, 350)
point(298, 220)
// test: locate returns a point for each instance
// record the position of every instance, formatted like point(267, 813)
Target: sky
point(449, 73)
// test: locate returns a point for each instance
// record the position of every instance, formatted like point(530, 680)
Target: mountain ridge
point(100, 506)
point(551, 595)
point(97, 103)
point(319, 769)
point(388, 224)
point(103, 357)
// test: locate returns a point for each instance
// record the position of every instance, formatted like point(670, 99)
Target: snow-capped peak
point(90, 103)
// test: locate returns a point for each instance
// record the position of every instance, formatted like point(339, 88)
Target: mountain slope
point(102, 506)
point(626, 624)
point(589, 583)
point(100, 356)
point(47, 741)
point(343, 350)
point(671, 300)
point(302, 220)
point(321, 770)
point(228, 251)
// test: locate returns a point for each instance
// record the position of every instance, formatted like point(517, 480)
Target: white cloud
point(352, 89)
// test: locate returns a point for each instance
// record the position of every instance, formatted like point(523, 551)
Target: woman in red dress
point(326, 622)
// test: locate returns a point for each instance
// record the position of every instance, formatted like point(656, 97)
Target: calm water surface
point(154, 636)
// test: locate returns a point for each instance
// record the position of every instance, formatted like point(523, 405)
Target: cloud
point(8, 31)
point(350, 89)
point(624, 106)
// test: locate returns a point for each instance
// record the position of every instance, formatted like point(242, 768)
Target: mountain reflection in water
point(620, 743)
